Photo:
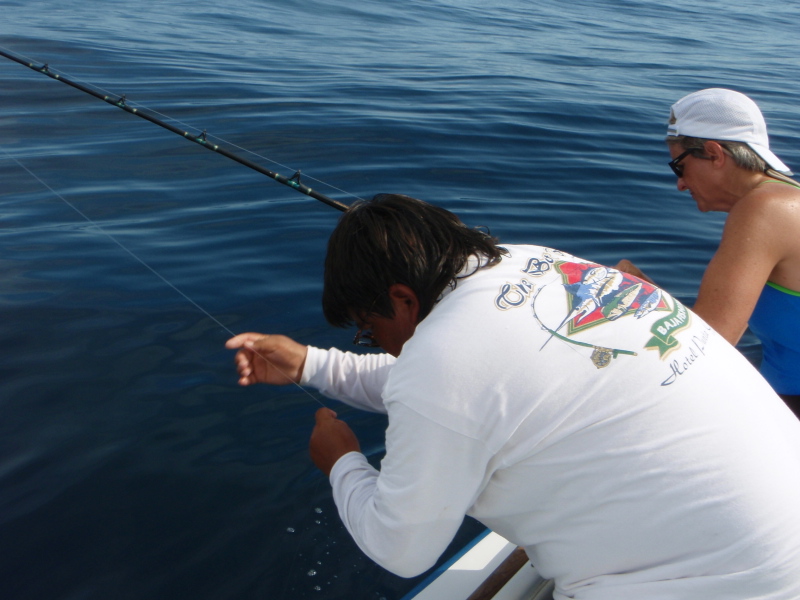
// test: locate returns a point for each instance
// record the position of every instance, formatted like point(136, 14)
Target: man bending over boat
point(576, 410)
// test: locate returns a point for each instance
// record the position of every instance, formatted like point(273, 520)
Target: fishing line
point(141, 261)
point(203, 140)
point(200, 139)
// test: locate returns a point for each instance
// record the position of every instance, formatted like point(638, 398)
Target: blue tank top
point(776, 322)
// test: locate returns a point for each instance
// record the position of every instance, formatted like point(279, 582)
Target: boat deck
point(489, 568)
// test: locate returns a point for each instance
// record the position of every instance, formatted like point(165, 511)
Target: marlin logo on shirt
point(595, 289)
point(598, 294)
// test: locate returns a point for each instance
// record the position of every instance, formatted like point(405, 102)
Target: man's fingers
point(239, 341)
point(324, 414)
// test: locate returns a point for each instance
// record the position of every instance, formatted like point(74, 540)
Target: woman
point(720, 153)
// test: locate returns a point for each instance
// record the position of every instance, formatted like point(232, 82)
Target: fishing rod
point(202, 139)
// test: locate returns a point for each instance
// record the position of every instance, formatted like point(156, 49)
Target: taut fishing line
point(203, 140)
point(130, 252)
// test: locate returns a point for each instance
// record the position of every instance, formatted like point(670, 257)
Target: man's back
point(631, 450)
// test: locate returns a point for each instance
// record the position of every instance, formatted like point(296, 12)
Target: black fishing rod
point(120, 102)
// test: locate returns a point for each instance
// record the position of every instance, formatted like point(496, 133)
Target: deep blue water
point(131, 464)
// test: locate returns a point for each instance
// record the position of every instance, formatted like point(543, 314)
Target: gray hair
point(743, 155)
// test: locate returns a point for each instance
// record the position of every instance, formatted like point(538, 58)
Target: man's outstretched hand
point(273, 359)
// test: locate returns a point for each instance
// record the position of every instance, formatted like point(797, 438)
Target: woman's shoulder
point(765, 225)
point(773, 201)
point(765, 222)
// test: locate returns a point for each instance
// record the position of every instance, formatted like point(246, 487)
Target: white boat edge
point(464, 573)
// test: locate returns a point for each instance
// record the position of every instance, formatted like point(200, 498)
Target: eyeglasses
point(365, 339)
point(675, 165)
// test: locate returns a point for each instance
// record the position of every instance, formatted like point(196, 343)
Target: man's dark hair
point(396, 239)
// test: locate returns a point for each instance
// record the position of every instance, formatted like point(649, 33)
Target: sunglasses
point(675, 165)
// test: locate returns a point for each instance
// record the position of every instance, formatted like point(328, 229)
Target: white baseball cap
point(719, 114)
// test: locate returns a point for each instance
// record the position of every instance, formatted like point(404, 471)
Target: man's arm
point(355, 379)
point(279, 360)
point(404, 516)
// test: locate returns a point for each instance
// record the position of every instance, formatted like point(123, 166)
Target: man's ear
point(404, 302)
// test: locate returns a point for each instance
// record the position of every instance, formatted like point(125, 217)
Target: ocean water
point(131, 464)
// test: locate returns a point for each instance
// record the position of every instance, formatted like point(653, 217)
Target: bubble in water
point(317, 588)
point(290, 529)
point(317, 521)
point(318, 510)
point(311, 573)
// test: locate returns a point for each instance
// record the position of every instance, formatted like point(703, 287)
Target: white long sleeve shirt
point(583, 415)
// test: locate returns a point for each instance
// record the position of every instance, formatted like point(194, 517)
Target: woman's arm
point(755, 239)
